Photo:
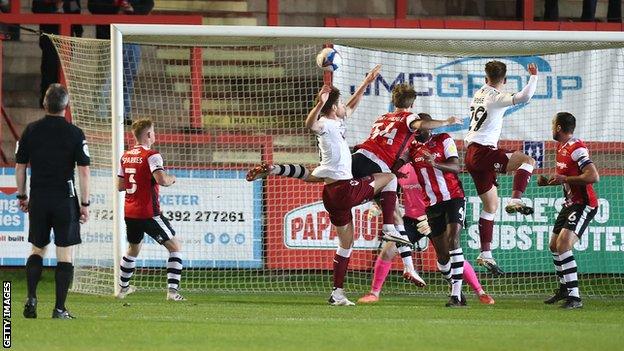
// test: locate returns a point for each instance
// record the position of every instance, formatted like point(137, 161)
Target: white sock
point(127, 266)
point(457, 271)
point(174, 270)
point(406, 257)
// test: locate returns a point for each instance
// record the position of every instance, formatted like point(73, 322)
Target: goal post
point(117, 148)
point(225, 98)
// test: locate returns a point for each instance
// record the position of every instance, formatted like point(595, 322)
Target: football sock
point(290, 170)
point(471, 278)
point(388, 202)
point(406, 256)
point(457, 271)
point(127, 267)
point(568, 268)
point(174, 270)
point(521, 180)
point(382, 268)
point(63, 277)
point(486, 230)
point(34, 266)
point(445, 269)
point(341, 262)
point(557, 264)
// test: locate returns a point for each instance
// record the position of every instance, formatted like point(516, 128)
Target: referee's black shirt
point(53, 147)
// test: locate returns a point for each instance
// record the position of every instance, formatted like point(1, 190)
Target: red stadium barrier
point(528, 22)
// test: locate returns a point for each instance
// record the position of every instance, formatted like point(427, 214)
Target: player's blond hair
point(140, 126)
point(403, 95)
point(495, 71)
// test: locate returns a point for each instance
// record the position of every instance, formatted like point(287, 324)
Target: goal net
point(224, 99)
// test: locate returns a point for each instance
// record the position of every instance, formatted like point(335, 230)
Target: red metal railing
point(400, 20)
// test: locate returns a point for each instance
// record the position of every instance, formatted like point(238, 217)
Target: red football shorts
point(341, 196)
point(483, 162)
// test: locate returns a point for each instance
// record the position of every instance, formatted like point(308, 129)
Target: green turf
point(145, 321)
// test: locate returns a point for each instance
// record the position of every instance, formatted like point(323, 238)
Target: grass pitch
point(145, 321)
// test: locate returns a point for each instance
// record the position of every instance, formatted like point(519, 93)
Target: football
point(329, 59)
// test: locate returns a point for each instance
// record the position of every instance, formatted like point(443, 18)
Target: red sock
point(340, 270)
point(486, 232)
point(520, 182)
point(388, 203)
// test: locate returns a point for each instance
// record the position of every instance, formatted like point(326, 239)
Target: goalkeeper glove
point(422, 225)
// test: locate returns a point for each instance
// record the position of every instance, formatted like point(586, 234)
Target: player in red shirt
point(390, 134)
point(141, 172)
point(576, 172)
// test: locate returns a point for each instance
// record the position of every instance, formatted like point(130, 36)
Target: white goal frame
point(320, 34)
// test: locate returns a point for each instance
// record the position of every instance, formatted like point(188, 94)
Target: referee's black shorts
point(61, 214)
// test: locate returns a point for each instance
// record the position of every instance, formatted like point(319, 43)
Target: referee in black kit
point(52, 146)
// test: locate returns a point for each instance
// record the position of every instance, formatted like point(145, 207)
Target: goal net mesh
point(222, 105)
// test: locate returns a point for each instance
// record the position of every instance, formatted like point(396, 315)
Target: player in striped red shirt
point(435, 159)
point(141, 172)
point(576, 173)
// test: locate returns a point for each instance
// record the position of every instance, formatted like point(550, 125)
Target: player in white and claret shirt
point(484, 159)
point(341, 191)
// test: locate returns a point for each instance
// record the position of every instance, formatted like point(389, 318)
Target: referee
point(52, 146)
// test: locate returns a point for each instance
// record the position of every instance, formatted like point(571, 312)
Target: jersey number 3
point(133, 185)
point(478, 116)
point(387, 132)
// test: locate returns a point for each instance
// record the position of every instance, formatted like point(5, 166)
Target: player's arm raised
point(527, 92)
point(313, 115)
point(434, 123)
point(355, 99)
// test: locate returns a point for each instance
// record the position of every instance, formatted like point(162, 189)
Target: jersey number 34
point(387, 132)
